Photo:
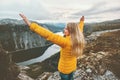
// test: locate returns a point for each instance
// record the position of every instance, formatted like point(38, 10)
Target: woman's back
point(67, 62)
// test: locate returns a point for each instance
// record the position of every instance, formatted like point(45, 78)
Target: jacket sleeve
point(57, 39)
point(81, 25)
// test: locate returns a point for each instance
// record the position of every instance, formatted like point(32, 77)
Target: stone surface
point(8, 69)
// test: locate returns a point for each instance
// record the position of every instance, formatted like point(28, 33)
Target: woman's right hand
point(82, 18)
point(25, 19)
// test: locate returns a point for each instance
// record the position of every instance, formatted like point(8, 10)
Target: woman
point(71, 45)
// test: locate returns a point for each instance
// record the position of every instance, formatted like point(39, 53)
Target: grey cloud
point(93, 13)
point(96, 10)
point(93, 9)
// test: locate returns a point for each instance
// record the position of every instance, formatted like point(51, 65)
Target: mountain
point(55, 27)
point(10, 21)
point(15, 34)
point(112, 21)
point(106, 25)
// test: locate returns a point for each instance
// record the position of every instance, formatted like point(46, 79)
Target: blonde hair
point(77, 39)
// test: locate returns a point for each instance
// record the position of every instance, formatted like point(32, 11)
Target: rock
point(88, 70)
point(8, 69)
point(54, 76)
point(23, 67)
point(103, 53)
point(44, 76)
point(23, 76)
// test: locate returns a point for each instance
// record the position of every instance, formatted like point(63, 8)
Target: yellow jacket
point(67, 62)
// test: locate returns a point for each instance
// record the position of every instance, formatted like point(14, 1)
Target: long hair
point(77, 39)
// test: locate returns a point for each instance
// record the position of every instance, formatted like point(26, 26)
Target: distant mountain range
point(55, 26)
point(112, 21)
point(106, 25)
point(15, 35)
point(10, 21)
point(61, 24)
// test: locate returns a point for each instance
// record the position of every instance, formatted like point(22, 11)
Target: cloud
point(60, 10)
point(101, 10)
point(32, 9)
point(96, 12)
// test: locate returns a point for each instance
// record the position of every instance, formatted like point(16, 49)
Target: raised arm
point(81, 23)
point(25, 19)
point(57, 39)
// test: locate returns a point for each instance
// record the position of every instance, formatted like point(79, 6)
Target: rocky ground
point(101, 61)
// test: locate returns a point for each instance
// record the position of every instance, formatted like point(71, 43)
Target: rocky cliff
point(99, 62)
point(15, 34)
point(19, 37)
point(8, 69)
point(21, 42)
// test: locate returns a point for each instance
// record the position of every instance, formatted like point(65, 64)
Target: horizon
point(55, 21)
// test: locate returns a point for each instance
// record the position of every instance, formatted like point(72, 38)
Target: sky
point(61, 10)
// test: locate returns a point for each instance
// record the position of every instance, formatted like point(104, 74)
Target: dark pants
point(67, 76)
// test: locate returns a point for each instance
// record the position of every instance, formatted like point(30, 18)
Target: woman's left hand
point(25, 19)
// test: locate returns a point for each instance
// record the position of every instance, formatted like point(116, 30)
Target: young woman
point(71, 45)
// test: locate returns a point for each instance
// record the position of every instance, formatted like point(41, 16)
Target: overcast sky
point(61, 10)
